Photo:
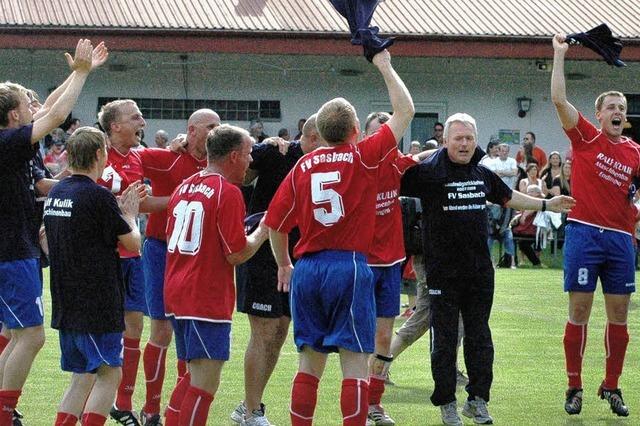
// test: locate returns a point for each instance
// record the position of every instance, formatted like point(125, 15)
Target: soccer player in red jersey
point(331, 196)
point(122, 121)
point(599, 232)
point(166, 170)
point(205, 239)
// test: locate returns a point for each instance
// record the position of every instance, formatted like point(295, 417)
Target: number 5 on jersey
point(320, 195)
point(187, 229)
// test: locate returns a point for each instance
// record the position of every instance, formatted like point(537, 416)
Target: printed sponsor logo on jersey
point(435, 291)
point(201, 188)
point(469, 195)
point(261, 307)
point(613, 171)
point(58, 207)
point(630, 284)
point(331, 157)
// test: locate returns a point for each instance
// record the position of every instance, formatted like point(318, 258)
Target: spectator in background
point(530, 151)
point(430, 144)
point(492, 153)
point(532, 179)
point(552, 169)
point(161, 139)
point(436, 137)
point(506, 167)
point(284, 134)
point(300, 126)
point(415, 148)
point(73, 125)
point(522, 226)
point(256, 130)
point(56, 159)
point(562, 183)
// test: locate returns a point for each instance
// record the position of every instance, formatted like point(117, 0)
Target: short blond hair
point(336, 120)
point(10, 98)
point(600, 98)
point(110, 113)
point(82, 147)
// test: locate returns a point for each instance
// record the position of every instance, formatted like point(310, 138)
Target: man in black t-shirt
point(258, 296)
point(454, 190)
point(20, 278)
point(84, 223)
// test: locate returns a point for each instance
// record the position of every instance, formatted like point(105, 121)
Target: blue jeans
point(507, 241)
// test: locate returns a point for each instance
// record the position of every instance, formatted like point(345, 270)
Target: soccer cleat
point(17, 418)
point(461, 379)
point(369, 422)
point(476, 409)
point(150, 420)
point(449, 413)
point(126, 418)
point(379, 417)
point(614, 397)
point(256, 418)
point(573, 402)
point(237, 415)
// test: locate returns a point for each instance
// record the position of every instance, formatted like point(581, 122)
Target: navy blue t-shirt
point(18, 230)
point(83, 222)
point(454, 214)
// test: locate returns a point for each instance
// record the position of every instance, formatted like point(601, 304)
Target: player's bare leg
point(26, 342)
point(154, 360)
point(74, 398)
point(355, 387)
point(575, 340)
point(616, 339)
point(6, 352)
point(103, 391)
point(267, 337)
point(379, 365)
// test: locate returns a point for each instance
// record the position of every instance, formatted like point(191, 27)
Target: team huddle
point(329, 201)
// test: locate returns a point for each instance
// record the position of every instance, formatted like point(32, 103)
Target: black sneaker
point(126, 418)
point(614, 397)
point(147, 420)
point(17, 418)
point(573, 403)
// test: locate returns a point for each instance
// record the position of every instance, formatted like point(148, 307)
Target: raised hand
point(283, 145)
point(559, 43)
point(179, 144)
point(129, 201)
point(99, 55)
point(81, 61)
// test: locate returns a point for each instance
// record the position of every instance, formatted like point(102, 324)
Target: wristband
point(544, 205)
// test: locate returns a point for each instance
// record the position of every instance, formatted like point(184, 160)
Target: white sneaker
point(256, 418)
point(379, 417)
point(237, 415)
point(449, 414)
point(477, 410)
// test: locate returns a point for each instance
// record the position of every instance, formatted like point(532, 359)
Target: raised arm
point(559, 204)
point(59, 111)
point(401, 102)
point(567, 113)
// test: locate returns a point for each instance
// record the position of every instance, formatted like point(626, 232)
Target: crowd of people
point(328, 205)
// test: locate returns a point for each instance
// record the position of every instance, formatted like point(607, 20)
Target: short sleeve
point(16, 146)
point(377, 147)
point(231, 220)
point(110, 217)
point(583, 132)
point(404, 162)
point(281, 212)
point(499, 192)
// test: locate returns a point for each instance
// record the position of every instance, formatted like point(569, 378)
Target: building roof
point(419, 18)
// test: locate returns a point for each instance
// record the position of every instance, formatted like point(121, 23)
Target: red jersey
point(388, 243)
point(121, 171)
point(331, 195)
point(538, 154)
point(166, 170)
point(601, 174)
point(205, 224)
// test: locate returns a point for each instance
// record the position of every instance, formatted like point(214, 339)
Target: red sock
point(154, 366)
point(575, 340)
point(65, 419)
point(616, 339)
point(8, 403)
point(130, 362)
point(304, 395)
point(172, 414)
point(376, 389)
point(93, 419)
point(182, 369)
point(4, 341)
point(195, 407)
point(354, 402)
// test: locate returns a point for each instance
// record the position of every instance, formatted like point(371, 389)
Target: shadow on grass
point(407, 395)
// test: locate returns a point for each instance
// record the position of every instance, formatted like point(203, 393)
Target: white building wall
point(487, 89)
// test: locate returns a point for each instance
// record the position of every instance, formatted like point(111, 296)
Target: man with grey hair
point(161, 138)
point(454, 190)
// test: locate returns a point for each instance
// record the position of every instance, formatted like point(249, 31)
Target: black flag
point(601, 41)
point(359, 14)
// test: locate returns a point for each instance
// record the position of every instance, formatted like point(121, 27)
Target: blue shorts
point(21, 293)
point(591, 252)
point(133, 276)
point(332, 302)
point(387, 289)
point(86, 352)
point(202, 339)
point(154, 259)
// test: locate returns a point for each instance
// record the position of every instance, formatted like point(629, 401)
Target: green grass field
point(528, 320)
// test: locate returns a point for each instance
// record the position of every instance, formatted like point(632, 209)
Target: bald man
point(166, 170)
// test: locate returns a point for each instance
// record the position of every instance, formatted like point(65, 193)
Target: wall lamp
point(524, 105)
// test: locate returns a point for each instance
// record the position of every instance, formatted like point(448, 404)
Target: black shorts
point(257, 286)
